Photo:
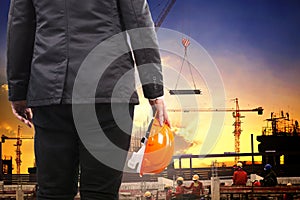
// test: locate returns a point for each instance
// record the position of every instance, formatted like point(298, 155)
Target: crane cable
point(185, 42)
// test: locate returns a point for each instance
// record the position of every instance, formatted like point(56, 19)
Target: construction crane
point(162, 16)
point(236, 113)
point(18, 145)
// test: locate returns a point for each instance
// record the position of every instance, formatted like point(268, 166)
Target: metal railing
point(19, 179)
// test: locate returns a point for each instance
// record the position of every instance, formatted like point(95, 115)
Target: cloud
point(4, 87)
point(254, 80)
point(6, 129)
point(181, 145)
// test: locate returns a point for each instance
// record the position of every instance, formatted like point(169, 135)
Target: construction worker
point(288, 196)
point(168, 191)
point(179, 189)
point(196, 187)
point(239, 175)
point(270, 178)
point(148, 195)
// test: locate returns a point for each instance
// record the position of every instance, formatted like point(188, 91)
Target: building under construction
point(279, 144)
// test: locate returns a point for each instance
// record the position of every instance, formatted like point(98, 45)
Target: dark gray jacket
point(49, 39)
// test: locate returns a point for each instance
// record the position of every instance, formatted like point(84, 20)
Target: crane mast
point(237, 128)
point(18, 145)
point(18, 150)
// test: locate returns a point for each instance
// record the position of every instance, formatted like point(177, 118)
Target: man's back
point(240, 177)
point(56, 38)
point(270, 179)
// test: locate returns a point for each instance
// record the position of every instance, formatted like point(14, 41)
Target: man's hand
point(159, 108)
point(22, 112)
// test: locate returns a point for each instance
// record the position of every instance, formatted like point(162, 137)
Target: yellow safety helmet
point(179, 178)
point(156, 152)
point(167, 186)
point(195, 177)
point(147, 194)
point(239, 164)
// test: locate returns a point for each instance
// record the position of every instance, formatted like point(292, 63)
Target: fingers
point(161, 111)
point(29, 114)
point(23, 118)
point(22, 113)
point(29, 117)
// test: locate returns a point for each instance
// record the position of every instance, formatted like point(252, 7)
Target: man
point(270, 177)
point(168, 192)
point(239, 175)
point(179, 190)
point(49, 42)
point(196, 187)
point(148, 195)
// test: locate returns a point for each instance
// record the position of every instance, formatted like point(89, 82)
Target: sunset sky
point(255, 46)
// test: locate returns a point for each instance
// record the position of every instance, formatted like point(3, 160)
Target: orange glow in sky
point(255, 47)
point(191, 128)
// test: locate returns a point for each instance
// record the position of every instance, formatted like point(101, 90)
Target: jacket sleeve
point(135, 14)
point(20, 40)
point(189, 187)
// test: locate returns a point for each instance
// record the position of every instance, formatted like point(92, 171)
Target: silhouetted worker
point(270, 178)
point(70, 63)
point(239, 175)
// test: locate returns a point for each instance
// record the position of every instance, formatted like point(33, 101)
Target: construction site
point(278, 146)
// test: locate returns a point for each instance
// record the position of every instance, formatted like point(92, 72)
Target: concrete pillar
point(19, 194)
point(1, 185)
point(215, 188)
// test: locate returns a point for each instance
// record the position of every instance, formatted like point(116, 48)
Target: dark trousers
point(61, 156)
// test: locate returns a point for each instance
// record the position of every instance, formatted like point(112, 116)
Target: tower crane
point(18, 145)
point(162, 16)
point(236, 113)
